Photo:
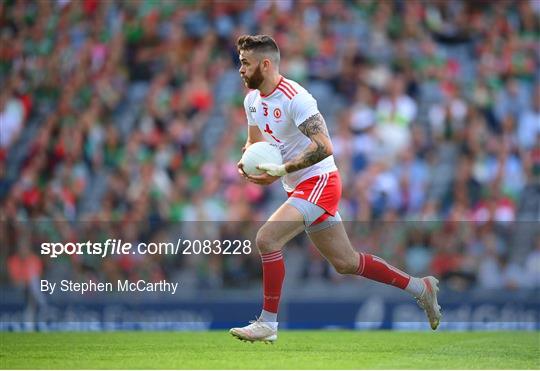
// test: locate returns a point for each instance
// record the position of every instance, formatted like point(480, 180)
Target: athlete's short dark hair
point(262, 44)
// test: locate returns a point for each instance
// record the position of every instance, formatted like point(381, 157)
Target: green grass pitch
point(293, 350)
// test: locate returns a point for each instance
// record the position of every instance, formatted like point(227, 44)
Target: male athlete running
point(282, 112)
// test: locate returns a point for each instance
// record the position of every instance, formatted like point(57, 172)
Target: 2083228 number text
point(218, 247)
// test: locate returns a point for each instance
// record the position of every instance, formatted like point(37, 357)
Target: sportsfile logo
point(119, 247)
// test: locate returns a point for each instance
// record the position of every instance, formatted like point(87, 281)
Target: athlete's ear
point(266, 64)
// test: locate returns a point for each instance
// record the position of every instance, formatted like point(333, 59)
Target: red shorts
point(322, 190)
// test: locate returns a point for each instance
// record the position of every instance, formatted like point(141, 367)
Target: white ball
point(260, 153)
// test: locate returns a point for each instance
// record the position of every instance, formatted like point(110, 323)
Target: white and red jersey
point(278, 116)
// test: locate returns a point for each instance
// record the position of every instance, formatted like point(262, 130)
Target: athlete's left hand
point(273, 169)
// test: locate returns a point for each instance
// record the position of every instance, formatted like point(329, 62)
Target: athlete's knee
point(265, 242)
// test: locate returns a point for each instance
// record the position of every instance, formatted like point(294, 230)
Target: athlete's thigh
point(284, 224)
point(333, 243)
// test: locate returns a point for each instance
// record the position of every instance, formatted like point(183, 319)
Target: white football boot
point(428, 301)
point(256, 331)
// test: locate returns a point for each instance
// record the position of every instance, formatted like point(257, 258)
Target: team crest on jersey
point(277, 113)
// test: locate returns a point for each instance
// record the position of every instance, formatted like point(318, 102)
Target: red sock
point(273, 275)
point(377, 269)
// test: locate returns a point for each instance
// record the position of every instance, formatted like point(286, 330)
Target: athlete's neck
point(270, 84)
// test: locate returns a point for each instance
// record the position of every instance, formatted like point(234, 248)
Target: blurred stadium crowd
point(130, 112)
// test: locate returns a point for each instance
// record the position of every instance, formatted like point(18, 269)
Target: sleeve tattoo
point(315, 129)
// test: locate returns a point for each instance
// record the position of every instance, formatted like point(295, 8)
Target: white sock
point(270, 318)
point(415, 287)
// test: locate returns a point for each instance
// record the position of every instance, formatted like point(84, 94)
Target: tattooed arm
point(320, 147)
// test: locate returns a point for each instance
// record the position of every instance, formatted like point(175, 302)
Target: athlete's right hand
point(240, 167)
point(263, 179)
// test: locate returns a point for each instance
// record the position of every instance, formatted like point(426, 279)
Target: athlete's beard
point(256, 79)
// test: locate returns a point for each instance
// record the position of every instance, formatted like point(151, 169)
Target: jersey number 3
point(270, 132)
